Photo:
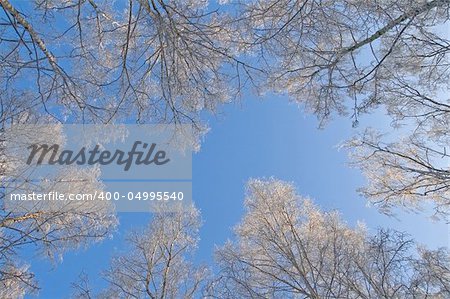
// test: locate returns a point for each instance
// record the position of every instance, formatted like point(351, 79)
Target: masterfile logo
point(148, 155)
point(139, 152)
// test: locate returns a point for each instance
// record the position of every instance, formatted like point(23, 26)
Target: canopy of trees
point(166, 61)
point(157, 61)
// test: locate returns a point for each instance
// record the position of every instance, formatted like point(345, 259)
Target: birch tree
point(99, 61)
point(158, 263)
point(49, 227)
point(334, 55)
point(409, 173)
point(285, 247)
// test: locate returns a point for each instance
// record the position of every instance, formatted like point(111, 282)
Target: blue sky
point(251, 139)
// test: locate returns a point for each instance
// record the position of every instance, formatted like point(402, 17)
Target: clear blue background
point(252, 139)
